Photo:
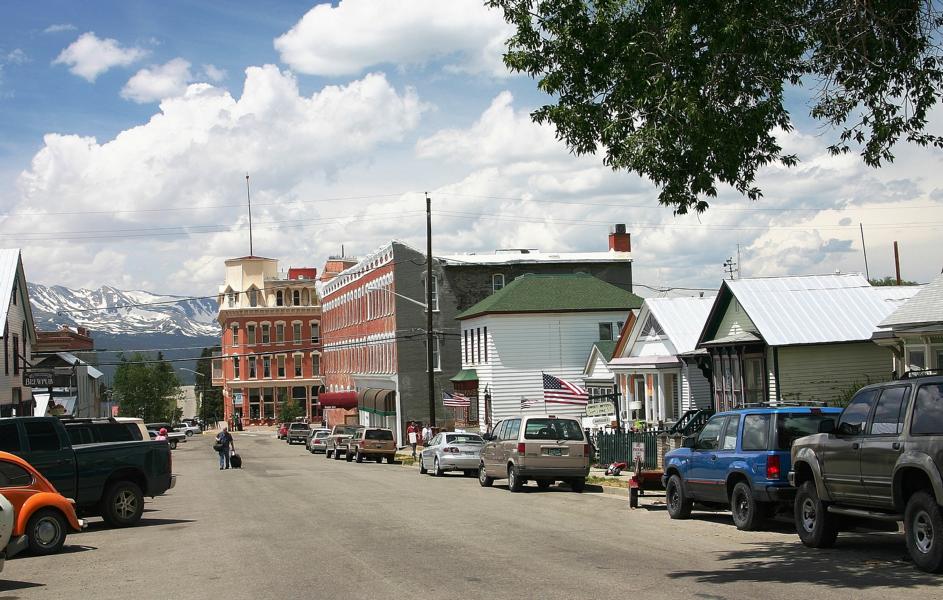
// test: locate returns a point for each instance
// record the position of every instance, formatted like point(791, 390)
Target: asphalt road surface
point(292, 525)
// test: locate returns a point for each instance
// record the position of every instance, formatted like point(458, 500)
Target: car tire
point(437, 468)
point(173, 444)
point(378, 459)
point(348, 456)
point(327, 453)
point(122, 504)
point(578, 484)
point(46, 532)
point(390, 459)
point(483, 479)
point(679, 505)
point(422, 466)
point(923, 526)
point(544, 484)
point(515, 483)
point(189, 434)
point(358, 457)
point(747, 513)
point(815, 526)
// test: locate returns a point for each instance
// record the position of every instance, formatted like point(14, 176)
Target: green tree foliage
point(146, 388)
point(288, 408)
point(888, 280)
point(211, 398)
point(690, 93)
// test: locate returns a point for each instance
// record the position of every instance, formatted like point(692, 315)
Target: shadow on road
point(8, 585)
point(856, 562)
point(144, 522)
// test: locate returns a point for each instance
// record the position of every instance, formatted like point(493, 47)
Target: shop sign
point(37, 379)
point(598, 409)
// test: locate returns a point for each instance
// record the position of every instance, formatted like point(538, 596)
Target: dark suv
point(881, 461)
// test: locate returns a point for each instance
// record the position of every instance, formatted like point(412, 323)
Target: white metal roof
point(506, 257)
point(925, 307)
point(682, 319)
point(815, 309)
point(9, 263)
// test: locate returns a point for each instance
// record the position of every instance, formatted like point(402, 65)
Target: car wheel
point(923, 528)
point(46, 531)
point(437, 468)
point(544, 484)
point(389, 459)
point(483, 479)
point(173, 444)
point(327, 453)
point(422, 466)
point(189, 434)
point(578, 484)
point(747, 512)
point(358, 457)
point(815, 526)
point(123, 504)
point(679, 505)
point(348, 456)
point(515, 483)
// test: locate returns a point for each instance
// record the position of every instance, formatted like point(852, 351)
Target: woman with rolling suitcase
point(224, 446)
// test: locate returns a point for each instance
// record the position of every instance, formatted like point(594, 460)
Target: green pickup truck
point(107, 479)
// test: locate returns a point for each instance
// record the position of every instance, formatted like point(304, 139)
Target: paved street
point(293, 525)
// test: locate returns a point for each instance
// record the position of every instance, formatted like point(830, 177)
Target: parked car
point(7, 522)
point(298, 432)
point(316, 438)
point(109, 480)
point(188, 429)
point(137, 426)
point(173, 437)
point(372, 443)
point(282, 431)
point(543, 448)
point(881, 461)
point(336, 443)
point(42, 516)
point(451, 451)
point(94, 431)
point(740, 460)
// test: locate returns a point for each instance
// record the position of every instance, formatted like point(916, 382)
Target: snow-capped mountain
point(112, 311)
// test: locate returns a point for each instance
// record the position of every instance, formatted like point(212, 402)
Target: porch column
point(660, 395)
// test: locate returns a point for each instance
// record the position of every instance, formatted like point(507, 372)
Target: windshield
point(345, 429)
point(792, 426)
point(322, 434)
point(553, 429)
point(378, 434)
point(299, 426)
point(463, 438)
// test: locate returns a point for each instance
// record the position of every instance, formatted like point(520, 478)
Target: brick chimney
point(619, 240)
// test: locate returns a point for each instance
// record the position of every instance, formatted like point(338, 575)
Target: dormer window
point(253, 297)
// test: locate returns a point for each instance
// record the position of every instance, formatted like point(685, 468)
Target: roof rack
point(921, 373)
point(783, 404)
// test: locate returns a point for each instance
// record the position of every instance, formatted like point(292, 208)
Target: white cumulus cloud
point(214, 73)
point(59, 28)
point(89, 56)
point(358, 34)
point(158, 82)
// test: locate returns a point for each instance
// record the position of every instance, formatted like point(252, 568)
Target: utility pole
point(897, 262)
point(430, 336)
point(249, 199)
point(739, 261)
point(864, 249)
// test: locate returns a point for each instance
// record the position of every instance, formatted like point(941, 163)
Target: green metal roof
point(554, 293)
point(466, 375)
point(606, 349)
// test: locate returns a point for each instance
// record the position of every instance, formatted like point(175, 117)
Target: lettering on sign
point(37, 379)
point(599, 409)
point(237, 399)
point(638, 451)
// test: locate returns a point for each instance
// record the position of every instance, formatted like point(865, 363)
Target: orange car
point(43, 515)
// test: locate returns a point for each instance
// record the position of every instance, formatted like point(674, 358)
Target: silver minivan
point(543, 448)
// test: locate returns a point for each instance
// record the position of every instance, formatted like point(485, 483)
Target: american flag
point(525, 403)
point(455, 400)
point(561, 391)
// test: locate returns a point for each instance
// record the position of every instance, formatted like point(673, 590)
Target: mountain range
point(121, 320)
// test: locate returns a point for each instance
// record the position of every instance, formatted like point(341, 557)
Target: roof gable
point(11, 272)
point(923, 308)
point(554, 293)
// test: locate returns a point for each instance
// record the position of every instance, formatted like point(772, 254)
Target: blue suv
point(740, 459)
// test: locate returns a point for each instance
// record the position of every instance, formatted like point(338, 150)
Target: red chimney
point(619, 240)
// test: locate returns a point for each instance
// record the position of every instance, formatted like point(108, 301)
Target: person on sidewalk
point(161, 435)
point(412, 436)
point(225, 444)
point(426, 435)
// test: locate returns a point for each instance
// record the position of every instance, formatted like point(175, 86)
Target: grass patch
point(607, 481)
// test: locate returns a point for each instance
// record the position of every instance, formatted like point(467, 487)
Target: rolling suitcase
point(236, 461)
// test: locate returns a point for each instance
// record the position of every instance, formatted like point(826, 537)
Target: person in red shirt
point(412, 437)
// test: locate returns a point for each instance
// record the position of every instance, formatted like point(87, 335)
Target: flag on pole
point(455, 400)
point(561, 391)
point(525, 403)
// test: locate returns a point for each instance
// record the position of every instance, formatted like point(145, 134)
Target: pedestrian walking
point(412, 436)
point(161, 435)
point(426, 435)
point(224, 446)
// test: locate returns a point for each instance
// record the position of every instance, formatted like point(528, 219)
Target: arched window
point(305, 297)
point(253, 294)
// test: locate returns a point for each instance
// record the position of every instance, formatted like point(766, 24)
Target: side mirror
point(487, 437)
point(688, 442)
point(827, 426)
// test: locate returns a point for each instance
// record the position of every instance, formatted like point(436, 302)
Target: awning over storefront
point(465, 375)
point(378, 401)
point(338, 399)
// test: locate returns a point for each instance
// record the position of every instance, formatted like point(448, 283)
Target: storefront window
point(255, 404)
point(268, 403)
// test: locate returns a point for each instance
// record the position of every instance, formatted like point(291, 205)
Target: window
point(792, 426)
point(16, 355)
point(916, 360)
point(279, 333)
point(12, 475)
point(478, 344)
point(605, 331)
point(235, 367)
point(485, 336)
point(856, 413)
point(268, 403)
point(756, 432)
point(14, 291)
point(267, 367)
point(435, 293)
point(250, 335)
point(889, 414)
point(253, 297)
point(754, 391)
point(710, 435)
point(252, 374)
point(231, 299)
point(281, 366)
point(266, 339)
point(296, 333)
point(41, 435)
point(553, 429)
point(255, 403)
point(9, 438)
point(513, 429)
point(296, 297)
point(497, 282)
point(279, 298)
point(928, 411)
point(298, 364)
point(315, 332)
point(730, 434)
point(315, 364)
point(468, 357)
point(437, 366)
point(235, 335)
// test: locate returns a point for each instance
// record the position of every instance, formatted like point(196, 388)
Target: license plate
point(553, 451)
point(469, 452)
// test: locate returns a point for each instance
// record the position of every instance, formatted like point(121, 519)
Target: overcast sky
point(127, 128)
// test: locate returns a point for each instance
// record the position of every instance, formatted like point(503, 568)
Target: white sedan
point(451, 451)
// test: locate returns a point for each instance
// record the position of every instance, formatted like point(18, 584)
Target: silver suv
point(543, 448)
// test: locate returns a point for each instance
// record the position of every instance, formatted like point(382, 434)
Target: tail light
point(586, 450)
point(451, 450)
point(773, 470)
point(521, 447)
